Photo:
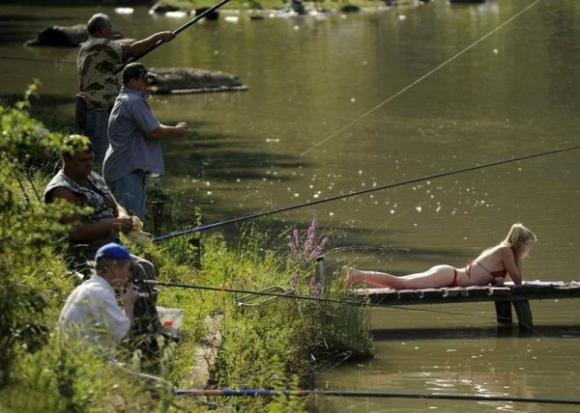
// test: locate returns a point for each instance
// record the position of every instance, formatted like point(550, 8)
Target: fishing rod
point(369, 394)
point(475, 167)
point(134, 58)
point(176, 32)
point(287, 295)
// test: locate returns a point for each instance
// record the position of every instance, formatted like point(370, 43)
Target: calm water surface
point(306, 129)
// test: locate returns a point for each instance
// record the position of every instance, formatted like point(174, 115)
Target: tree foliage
point(31, 281)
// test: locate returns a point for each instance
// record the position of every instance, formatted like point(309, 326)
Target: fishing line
point(161, 382)
point(364, 248)
point(283, 209)
point(475, 167)
point(370, 394)
point(16, 175)
point(288, 296)
point(556, 347)
point(337, 301)
point(175, 32)
point(34, 190)
point(417, 81)
point(134, 58)
point(403, 213)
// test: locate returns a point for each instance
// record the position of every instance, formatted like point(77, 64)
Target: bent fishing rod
point(133, 59)
point(181, 28)
point(205, 227)
point(288, 295)
point(370, 394)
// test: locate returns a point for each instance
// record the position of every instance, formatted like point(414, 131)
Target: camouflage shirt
point(97, 195)
point(97, 61)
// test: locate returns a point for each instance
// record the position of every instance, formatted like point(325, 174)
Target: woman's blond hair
point(518, 235)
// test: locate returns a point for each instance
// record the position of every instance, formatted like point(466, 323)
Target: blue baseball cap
point(113, 251)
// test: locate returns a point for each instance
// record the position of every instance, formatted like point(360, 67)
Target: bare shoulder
point(505, 251)
point(67, 195)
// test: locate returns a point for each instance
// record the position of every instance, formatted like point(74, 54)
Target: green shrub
point(31, 281)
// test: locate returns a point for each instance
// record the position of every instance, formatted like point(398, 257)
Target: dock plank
point(531, 290)
point(504, 297)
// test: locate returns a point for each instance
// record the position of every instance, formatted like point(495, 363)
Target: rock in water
point(162, 8)
point(61, 36)
point(350, 8)
point(181, 81)
point(212, 16)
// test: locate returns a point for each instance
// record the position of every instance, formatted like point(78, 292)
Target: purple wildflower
point(293, 249)
point(294, 281)
point(303, 254)
point(295, 243)
point(310, 235)
point(315, 288)
point(317, 252)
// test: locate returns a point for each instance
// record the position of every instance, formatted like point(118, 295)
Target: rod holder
point(321, 272)
point(158, 211)
point(195, 243)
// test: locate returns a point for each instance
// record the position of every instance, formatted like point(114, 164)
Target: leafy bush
point(31, 282)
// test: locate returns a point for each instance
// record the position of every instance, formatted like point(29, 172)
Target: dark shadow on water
point(18, 28)
point(222, 159)
point(41, 102)
point(69, 3)
point(468, 333)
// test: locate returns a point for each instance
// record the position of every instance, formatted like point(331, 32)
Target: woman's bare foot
point(352, 277)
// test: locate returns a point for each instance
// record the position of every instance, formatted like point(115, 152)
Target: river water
point(350, 102)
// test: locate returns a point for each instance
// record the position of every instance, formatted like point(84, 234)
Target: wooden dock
point(504, 297)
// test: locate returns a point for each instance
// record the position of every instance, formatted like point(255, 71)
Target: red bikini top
point(495, 274)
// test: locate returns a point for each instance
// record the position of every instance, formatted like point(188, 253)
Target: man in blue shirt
point(135, 141)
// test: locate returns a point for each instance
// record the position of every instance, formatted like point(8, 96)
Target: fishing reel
point(144, 289)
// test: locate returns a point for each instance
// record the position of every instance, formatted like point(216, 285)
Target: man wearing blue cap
point(91, 311)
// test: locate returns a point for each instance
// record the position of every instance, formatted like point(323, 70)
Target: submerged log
point(61, 36)
point(213, 15)
point(350, 8)
point(467, 1)
point(182, 81)
point(162, 8)
point(298, 7)
point(67, 36)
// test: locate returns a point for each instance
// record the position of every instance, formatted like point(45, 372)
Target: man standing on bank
point(135, 142)
point(98, 60)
